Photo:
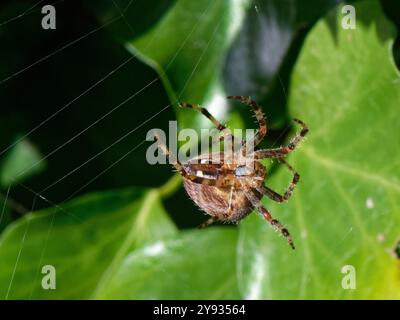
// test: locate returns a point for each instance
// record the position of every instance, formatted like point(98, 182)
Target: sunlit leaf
point(196, 265)
point(187, 47)
point(345, 210)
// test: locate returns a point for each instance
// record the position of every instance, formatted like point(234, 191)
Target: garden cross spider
point(226, 190)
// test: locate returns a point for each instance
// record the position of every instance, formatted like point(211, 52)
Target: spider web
point(39, 195)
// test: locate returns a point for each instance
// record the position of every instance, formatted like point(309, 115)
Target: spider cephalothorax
point(230, 188)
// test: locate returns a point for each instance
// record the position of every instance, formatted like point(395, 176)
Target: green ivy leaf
point(196, 265)
point(345, 209)
point(187, 47)
point(85, 240)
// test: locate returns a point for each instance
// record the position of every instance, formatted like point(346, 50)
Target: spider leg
point(208, 222)
point(276, 196)
point(283, 151)
point(205, 112)
point(259, 116)
point(171, 157)
point(180, 168)
point(222, 183)
point(229, 211)
point(267, 216)
point(219, 183)
point(227, 134)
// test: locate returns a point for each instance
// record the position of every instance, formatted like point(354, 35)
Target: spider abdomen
point(223, 204)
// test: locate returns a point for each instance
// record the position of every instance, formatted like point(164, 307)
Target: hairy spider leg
point(180, 168)
point(205, 112)
point(231, 193)
point(220, 127)
point(283, 151)
point(262, 130)
point(276, 196)
point(267, 216)
point(170, 156)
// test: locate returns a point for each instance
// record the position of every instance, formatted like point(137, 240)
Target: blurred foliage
point(86, 243)
point(263, 68)
point(80, 99)
point(19, 163)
